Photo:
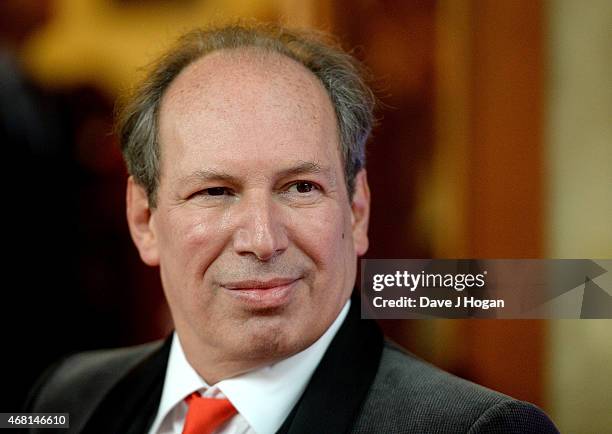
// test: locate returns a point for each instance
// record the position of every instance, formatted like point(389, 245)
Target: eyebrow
point(307, 168)
point(301, 168)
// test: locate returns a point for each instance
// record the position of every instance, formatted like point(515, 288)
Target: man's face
point(254, 232)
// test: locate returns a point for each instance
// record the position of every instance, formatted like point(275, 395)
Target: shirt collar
point(264, 397)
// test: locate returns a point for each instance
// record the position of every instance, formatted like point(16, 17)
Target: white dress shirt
point(263, 397)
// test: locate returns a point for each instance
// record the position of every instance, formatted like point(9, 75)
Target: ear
point(139, 221)
point(360, 208)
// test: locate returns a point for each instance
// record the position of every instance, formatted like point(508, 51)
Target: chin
point(271, 342)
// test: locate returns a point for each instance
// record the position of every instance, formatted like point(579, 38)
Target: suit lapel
point(330, 403)
point(131, 405)
point(339, 385)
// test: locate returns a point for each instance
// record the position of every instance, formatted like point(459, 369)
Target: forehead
point(230, 75)
point(245, 100)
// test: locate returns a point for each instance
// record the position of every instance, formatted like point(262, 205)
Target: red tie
point(205, 415)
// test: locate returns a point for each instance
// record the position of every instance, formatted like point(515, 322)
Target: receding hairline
point(321, 102)
point(264, 56)
point(342, 76)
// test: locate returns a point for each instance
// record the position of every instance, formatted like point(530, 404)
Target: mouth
point(262, 294)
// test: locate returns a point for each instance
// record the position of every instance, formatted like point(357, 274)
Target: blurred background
point(495, 142)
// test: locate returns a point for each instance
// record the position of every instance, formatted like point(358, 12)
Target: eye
point(213, 191)
point(303, 186)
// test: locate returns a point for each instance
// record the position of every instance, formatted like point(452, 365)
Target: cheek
point(323, 236)
point(188, 244)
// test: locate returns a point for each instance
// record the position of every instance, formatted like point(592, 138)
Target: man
point(245, 148)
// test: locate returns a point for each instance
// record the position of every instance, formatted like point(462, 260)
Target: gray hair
point(340, 73)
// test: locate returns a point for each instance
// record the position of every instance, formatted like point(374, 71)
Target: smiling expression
point(254, 232)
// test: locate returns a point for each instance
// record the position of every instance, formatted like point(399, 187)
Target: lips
point(262, 294)
point(246, 285)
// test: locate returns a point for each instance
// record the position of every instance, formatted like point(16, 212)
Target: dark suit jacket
point(362, 385)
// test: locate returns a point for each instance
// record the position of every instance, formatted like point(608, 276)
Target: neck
point(216, 359)
point(213, 373)
point(214, 365)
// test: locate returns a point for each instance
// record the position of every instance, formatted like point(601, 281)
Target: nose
point(260, 230)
